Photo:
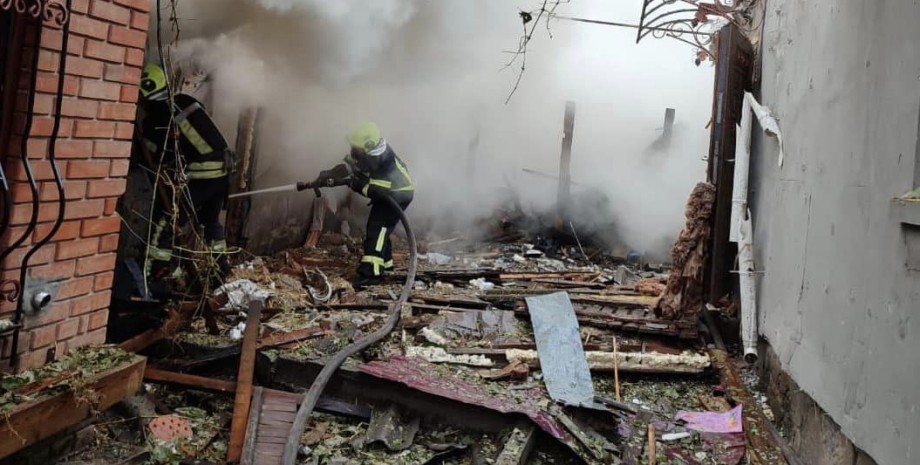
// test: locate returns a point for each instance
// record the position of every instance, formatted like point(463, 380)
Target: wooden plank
point(244, 383)
point(252, 428)
point(41, 418)
point(518, 446)
point(182, 379)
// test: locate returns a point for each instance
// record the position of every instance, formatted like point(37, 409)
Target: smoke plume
point(430, 74)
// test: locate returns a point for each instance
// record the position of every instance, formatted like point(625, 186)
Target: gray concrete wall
point(838, 301)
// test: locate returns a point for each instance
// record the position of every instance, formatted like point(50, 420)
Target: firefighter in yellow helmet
point(206, 160)
point(374, 171)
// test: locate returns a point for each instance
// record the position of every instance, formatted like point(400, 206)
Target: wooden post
point(669, 115)
point(565, 179)
point(616, 370)
point(652, 453)
point(239, 182)
point(244, 383)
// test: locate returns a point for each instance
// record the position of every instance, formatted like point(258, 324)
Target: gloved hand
point(358, 181)
point(324, 179)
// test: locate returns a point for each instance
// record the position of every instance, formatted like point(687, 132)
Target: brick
point(124, 131)
point(80, 6)
point(81, 108)
point(88, 129)
point(67, 230)
point(21, 193)
point(88, 303)
point(140, 5)
point(47, 83)
point(97, 319)
point(87, 169)
point(37, 148)
point(106, 188)
point(68, 329)
point(112, 149)
point(109, 11)
point(78, 66)
point(128, 94)
point(44, 104)
point(48, 60)
point(128, 37)
point(42, 257)
point(119, 168)
point(71, 148)
point(117, 111)
point(140, 21)
point(51, 41)
point(56, 270)
point(77, 248)
point(85, 209)
point(123, 74)
point(89, 27)
point(91, 338)
point(41, 170)
point(75, 287)
point(108, 243)
point(44, 127)
point(134, 57)
point(98, 227)
point(22, 213)
point(73, 190)
point(42, 337)
point(100, 90)
point(103, 281)
point(111, 205)
point(96, 264)
point(104, 51)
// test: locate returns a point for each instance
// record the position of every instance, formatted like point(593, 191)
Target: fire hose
point(316, 389)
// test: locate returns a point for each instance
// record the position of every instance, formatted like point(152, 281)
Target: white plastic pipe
point(742, 170)
point(748, 291)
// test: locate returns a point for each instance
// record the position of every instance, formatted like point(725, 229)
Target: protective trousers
point(207, 198)
point(378, 250)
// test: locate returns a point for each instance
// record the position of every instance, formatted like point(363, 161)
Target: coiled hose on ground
point(316, 389)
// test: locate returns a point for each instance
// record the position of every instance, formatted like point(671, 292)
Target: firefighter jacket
point(200, 142)
point(375, 176)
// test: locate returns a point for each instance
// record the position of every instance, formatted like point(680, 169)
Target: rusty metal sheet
point(423, 376)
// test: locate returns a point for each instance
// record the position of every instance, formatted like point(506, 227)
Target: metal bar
point(24, 155)
point(660, 25)
point(58, 181)
point(642, 19)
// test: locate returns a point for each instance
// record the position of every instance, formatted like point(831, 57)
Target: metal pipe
point(316, 389)
point(24, 155)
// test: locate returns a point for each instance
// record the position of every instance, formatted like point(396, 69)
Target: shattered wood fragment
point(684, 293)
point(518, 445)
point(762, 446)
point(241, 403)
point(182, 379)
point(631, 362)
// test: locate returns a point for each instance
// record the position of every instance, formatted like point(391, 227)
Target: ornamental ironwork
point(54, 12)
point(689, 21)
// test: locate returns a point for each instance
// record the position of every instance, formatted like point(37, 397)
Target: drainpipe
point(741, 232)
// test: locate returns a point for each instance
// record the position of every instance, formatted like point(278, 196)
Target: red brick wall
point(105, 57)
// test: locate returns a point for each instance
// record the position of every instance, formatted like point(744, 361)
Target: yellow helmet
point(364, 137)
point(153, 82)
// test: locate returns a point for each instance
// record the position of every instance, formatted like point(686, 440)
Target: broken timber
point(518, 446)
point(244, 383)
point(762, 446)
point(33, 421)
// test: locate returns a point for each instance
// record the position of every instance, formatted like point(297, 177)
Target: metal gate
point(21, 25)
point(734, 72)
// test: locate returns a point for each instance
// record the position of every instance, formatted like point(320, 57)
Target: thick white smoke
point(428, 74)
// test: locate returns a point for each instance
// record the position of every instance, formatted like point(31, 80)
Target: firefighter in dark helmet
point(206, 158)
point(374, 171)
